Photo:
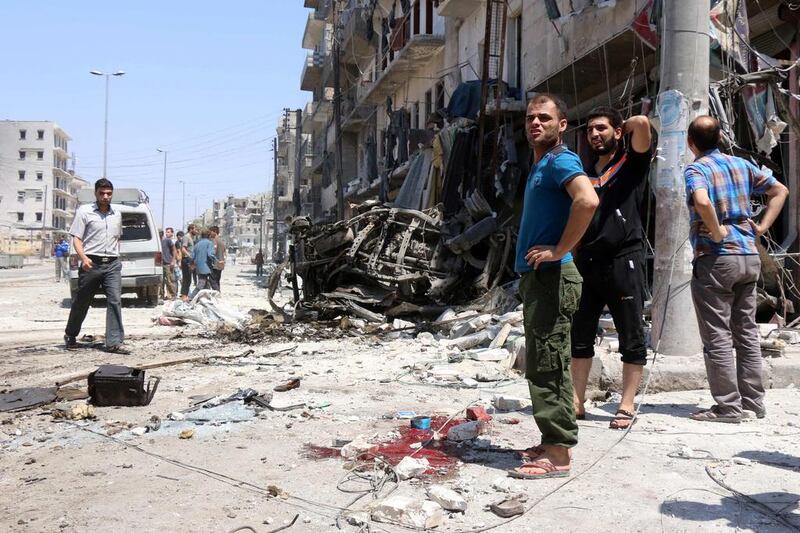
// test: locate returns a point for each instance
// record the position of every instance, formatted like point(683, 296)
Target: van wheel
point(151, 296)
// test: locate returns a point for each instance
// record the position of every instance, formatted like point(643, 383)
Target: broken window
point(135, 227)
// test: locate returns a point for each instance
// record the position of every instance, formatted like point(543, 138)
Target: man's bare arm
point(641, 136)
point(776, 197)
point(584, 204)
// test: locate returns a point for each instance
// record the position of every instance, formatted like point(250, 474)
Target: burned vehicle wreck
point(397, 261)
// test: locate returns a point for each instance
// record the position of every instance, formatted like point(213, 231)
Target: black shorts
point(619, 284)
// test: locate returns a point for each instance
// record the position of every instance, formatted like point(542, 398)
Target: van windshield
point(135, 227)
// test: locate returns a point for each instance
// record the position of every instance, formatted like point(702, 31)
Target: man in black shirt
point(610, 256)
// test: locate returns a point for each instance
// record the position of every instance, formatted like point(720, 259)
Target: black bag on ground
point(120, 385)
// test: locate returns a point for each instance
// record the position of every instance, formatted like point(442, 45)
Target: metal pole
point(105, 134)
point(261, 237)
point(275, 198)
point(684, 95)
point(164, 191)
point(183, 203)
point(298, 152)
point(337, 116)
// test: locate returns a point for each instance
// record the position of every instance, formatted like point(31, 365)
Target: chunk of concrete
point(489, 354)
point(449, 499)
point(519, 353)
point(355, 449)
point(469, 341)
point(470, 326)
point(465, 431)
point(408, 512)
point(502, 335)
point(411, 467)
point(502, 402)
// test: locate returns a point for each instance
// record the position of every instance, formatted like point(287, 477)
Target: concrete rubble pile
point(207, 310)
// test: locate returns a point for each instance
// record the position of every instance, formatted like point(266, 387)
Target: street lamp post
point(163, 188)
point(183, 202)
point(105, 122)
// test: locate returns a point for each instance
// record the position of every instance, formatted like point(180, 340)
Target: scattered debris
point(289, 385)
point(76, 412)
point(27, 398)
point(186, 434)
point(410, 467)
point(449, 499)
point(510, 506)
point(408, 512)
point(478, 413)
point(116, 385)
point(465, 431)
point(510, 403)
point(207, 310)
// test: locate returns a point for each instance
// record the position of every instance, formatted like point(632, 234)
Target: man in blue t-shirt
point(559, 204)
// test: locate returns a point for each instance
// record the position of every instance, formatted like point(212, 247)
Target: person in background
point(726, 269)
point(61, 252)
point(219, 253)
point(259, 260)
point(188, 272)
point(203, 257)
point(168, 264)
point(176, 270)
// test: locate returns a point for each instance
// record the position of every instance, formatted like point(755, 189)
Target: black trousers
point(216, 276)
point(186, 278)
point(259, 270)
point(619, 284)
point(110, 275)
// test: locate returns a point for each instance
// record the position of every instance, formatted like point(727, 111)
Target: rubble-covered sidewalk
point(315, 419)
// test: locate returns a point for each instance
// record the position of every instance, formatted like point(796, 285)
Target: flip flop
point(622, 416)
point(532, 453)
point(711, 415)
point(549, 470)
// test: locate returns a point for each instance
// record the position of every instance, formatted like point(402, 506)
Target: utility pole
point(337, 117)
point(298, 152)
point(684, 95)
point(263, 214)
point(183, 202)
point(275, 198)
point(163, 189)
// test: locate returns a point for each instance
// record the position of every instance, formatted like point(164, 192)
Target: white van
point(140, 248)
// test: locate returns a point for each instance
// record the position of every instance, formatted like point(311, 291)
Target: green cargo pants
point(550, 296)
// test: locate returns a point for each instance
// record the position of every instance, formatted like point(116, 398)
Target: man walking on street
point(610, 256)
point(187, 265)
point(726, 269)
point(558, 206)
point(259, 260)
point(219, 253)
point(168, 264)
point(96, 231)
point(203, 257)
point(61, 253)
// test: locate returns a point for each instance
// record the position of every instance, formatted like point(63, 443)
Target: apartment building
point(38, 192)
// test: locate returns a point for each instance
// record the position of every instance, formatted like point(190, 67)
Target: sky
point(205, 80)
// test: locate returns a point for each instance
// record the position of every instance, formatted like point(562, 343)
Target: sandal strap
point(624, 414)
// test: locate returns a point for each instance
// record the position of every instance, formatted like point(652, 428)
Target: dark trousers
point(549, 298)
point(186, 279)
point(619, 284)
point(110, 275)
point(216, 276)
point(259, 270)
point(204, 281)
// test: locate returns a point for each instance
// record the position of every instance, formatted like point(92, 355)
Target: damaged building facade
point(407, 113)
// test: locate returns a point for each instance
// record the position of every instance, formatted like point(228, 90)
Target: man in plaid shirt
point(726, 269)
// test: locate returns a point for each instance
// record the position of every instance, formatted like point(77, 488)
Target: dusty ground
point(57, 476)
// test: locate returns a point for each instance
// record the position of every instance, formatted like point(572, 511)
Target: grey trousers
point(724, 295)
point(110, 275)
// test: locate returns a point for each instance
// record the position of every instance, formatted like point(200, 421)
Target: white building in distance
point(37, 190)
